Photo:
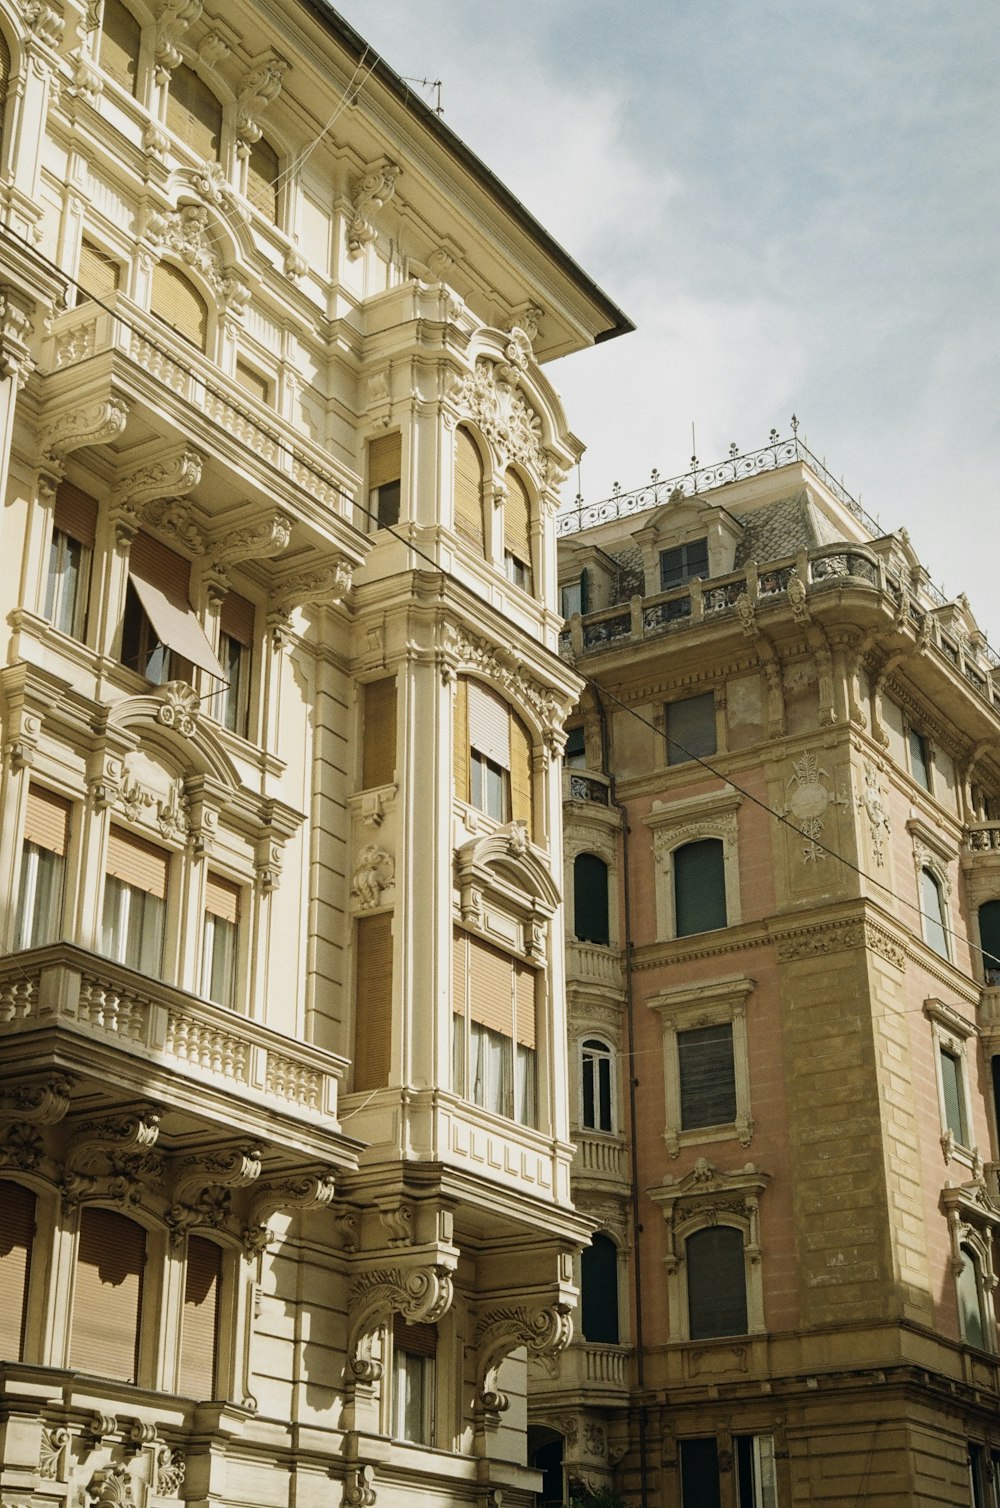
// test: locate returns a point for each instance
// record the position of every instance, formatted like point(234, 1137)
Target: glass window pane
point(39, 907)
point(933, 913)
point(590, 899)
point(919, 765)
point(969, 1304)
point(599, 1291)
point(954, 1098)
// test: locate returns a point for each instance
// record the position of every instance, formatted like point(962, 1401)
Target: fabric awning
point(175, 624)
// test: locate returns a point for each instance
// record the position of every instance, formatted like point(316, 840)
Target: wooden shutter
point(415, 1340)
point(179, 304)
point(460, 971)
point(46, 821)
point(107, 1296)
point(489, 724)
point(17, 1229)
point(222, 899)
point(252, 381)
point(75, 513)
point(491, 986)
point(4, 78)
point(517, 519)
point(460, 740)
point(469, 491)
point(691, 728)
point(521, 803)
point(262, 179)
point(200, 1320)
point(193, 112)
point(378, 741)
point(119, 49)
point(136, 862)
point(699, 887)
point(716, 1283)
point(373, 1002)
point(236, 619)
point(708, 1076)
point(385, 459)
point(98, 274)
point(524, 1004)
point(590, 899)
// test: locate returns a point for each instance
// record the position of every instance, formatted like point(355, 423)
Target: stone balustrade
point(592, 964)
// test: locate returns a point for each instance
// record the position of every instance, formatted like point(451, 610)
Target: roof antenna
point(694, 450)
point(434, 84)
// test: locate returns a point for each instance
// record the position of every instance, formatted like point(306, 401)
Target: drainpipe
point(633, 1119)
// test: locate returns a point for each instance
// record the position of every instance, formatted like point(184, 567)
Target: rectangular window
point(220, 946)
point(681, 564)
point(575, 754)
point(574, 595)
point(43, 861)
point(700, 1473)
point(378, 744)
point(489, 740)
point(161, 636)
point(517, 571)
point(200, 1319)
point(691, 728)
point(135, 891)
point(373, 1001)
point(107, 1297)
point(489, 786)
point(385, 467)
point(953, 1094)
point(74, 522)
point(414, 1351)
point(756, 1480)
point(708, 1076)
point(236, 635)
point(253, 382)
point(494, 1025)
point(920, 767)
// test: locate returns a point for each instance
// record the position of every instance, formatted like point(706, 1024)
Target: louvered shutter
point(200, 1320)
point(4, 78)
point(136, 862)
point(179, 304)
point(491, 981)
point(489, 724)
point(460, 741)
point(378, 741)
point(236, 618)
point(262, 179)
point(98, 274)
point(585, 590)
point(708, 1076)
point(524, 1004)
point(415, 1340)
point(590, 899)
point(75, 513)
point(119, 49)
point(699, 887)
point(469, 491)
point(107, 1295)
point(193, 112)
point(716, 1283)
point(252, 381)
point(17, 1229)
point(385, 459)
point(222, 899)
point(517, 520)
point(691, 728)
point(154, 561)
point(46, 821)
point(373, 1002)
point(459, 971)
point(521, 803)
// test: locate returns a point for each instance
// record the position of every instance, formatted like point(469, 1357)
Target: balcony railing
point(599, 1155)
point(587, 1368)
point(92, 997)
point(592, 964)
point(983, 837)
point(581, 785)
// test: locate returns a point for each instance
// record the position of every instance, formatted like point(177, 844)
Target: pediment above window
point(504, 889)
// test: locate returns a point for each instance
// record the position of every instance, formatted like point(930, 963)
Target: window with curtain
point(135, 889)
point(599, 1291)
point(118, 51)
point(699, 887)
point(4, 84)
point(17, 1229)
point(920, 765)
point(469, 491)
point(953, 1095)
point(716, 1283)
point(597, 1106)
point(98, 273)
point(162, 638)
point(933, 913)
point(414, 1349)
point(67, 583)
point(107, 1295)
point(373, 1001)
point(493, 999)
point(43, 864)
point(220, 941)
point(590, 899)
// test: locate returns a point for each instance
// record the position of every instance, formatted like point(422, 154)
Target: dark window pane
point(932, 906)
point(716, 1279)
point(989, 940)
point(575, 755)
point(919, 767)
point(954, 1100)
point(691, 728)
point(699, 887)
point(599, 1292)
point(700, 1474)
point(708, 1076)
point(590, 899)
point(681, 564)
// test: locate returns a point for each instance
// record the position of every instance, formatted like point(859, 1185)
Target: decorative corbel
point(544, 1332)
point(96, 424)
point(122, 1147)
point(372, 193)
point(203, 1185)
point(309, 1189)
point(172, 20)
point(260, 88)
point(359, 1486)
point(43, 1102)
point(15, 335)
point(324, 586)
point(261, 539)
point(151, 494)
point(421, 1294)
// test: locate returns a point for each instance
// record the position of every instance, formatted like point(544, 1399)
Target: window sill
point(741, 1131)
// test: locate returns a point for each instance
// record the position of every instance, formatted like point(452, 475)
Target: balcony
point(583, 785)
point(983, 838)
point(594, 966)
point(592, 1373)
point(600, 1157)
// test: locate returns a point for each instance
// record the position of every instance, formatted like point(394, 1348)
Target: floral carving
point(170, 1469)
point(111, 1487)
point(323, 587)
point(179, 707)
point(186, 234)
point(808, 801)
point(421, 1294)
point(459, 649)
point(261, 540)
point(21, 1146)
point(871, 802)
point(51, 1454)
point(374, 873)
point(40, 1104)
point(504, 415)
point(374, 191)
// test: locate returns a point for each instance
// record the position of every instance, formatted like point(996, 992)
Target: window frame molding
point(951, 1033)
point(930, 852)
point(973, 1221)
point(672, 825)
point(714, 1003)
point(611, 1051)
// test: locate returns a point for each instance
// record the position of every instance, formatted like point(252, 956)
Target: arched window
point(989, 940)
point(716, 1283)
point(517, 532)
point(971, 1300)
point(179, 304)
point(118, 52)
point(699, 887)
point(590, 899)
point(107, 1298)
point(4, 81)
point(262, 179)
point(17, 1225)
point(200, 1320)
point(933, 913)
point(193, 113)
point(597, 1097)
point(469, 491)
point(599, 1292)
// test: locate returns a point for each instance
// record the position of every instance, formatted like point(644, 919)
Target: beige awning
point(175, 624)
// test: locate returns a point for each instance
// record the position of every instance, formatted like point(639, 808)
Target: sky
point(797, 202)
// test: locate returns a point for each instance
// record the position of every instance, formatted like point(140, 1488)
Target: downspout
point(633, 1119)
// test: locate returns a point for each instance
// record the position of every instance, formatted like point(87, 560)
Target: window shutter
point(517, 519)
point(46, 821)
point(585, 590)
point(699, 887)
point(385, 459)
point(200, 1321)
point(107, 1296)
point(17, 1229)
point(222, 899)
point(491, 980)
point(137, 863)
point(716, 1283)
point(193, 112)
point(708, 1076)
point(4, 77)
point(252, 381)
point(262, 179)
point(373, 1002)
point(459, 971)
point(179, 304)
point(989, 935)
point(119, 50)
point(75, 513)
point(460, 740)
point(489, 724)
point(590, 898)
point(599, 1291)
point(691, 728)
point(469, 491)
point(98, 274)
point(415, 1340)
point(524, 1003)
point(378, 748)
point(156, 563)
point(521, 803)
point(236, 619)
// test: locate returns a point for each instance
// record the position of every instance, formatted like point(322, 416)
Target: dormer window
point(683, 563)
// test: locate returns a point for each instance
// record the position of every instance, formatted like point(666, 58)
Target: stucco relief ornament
point(872, 804)
point(179, 707)
point(504, 415)
point(259, 89)
point(375, 871)
point(808, 802)
point(374, 191)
